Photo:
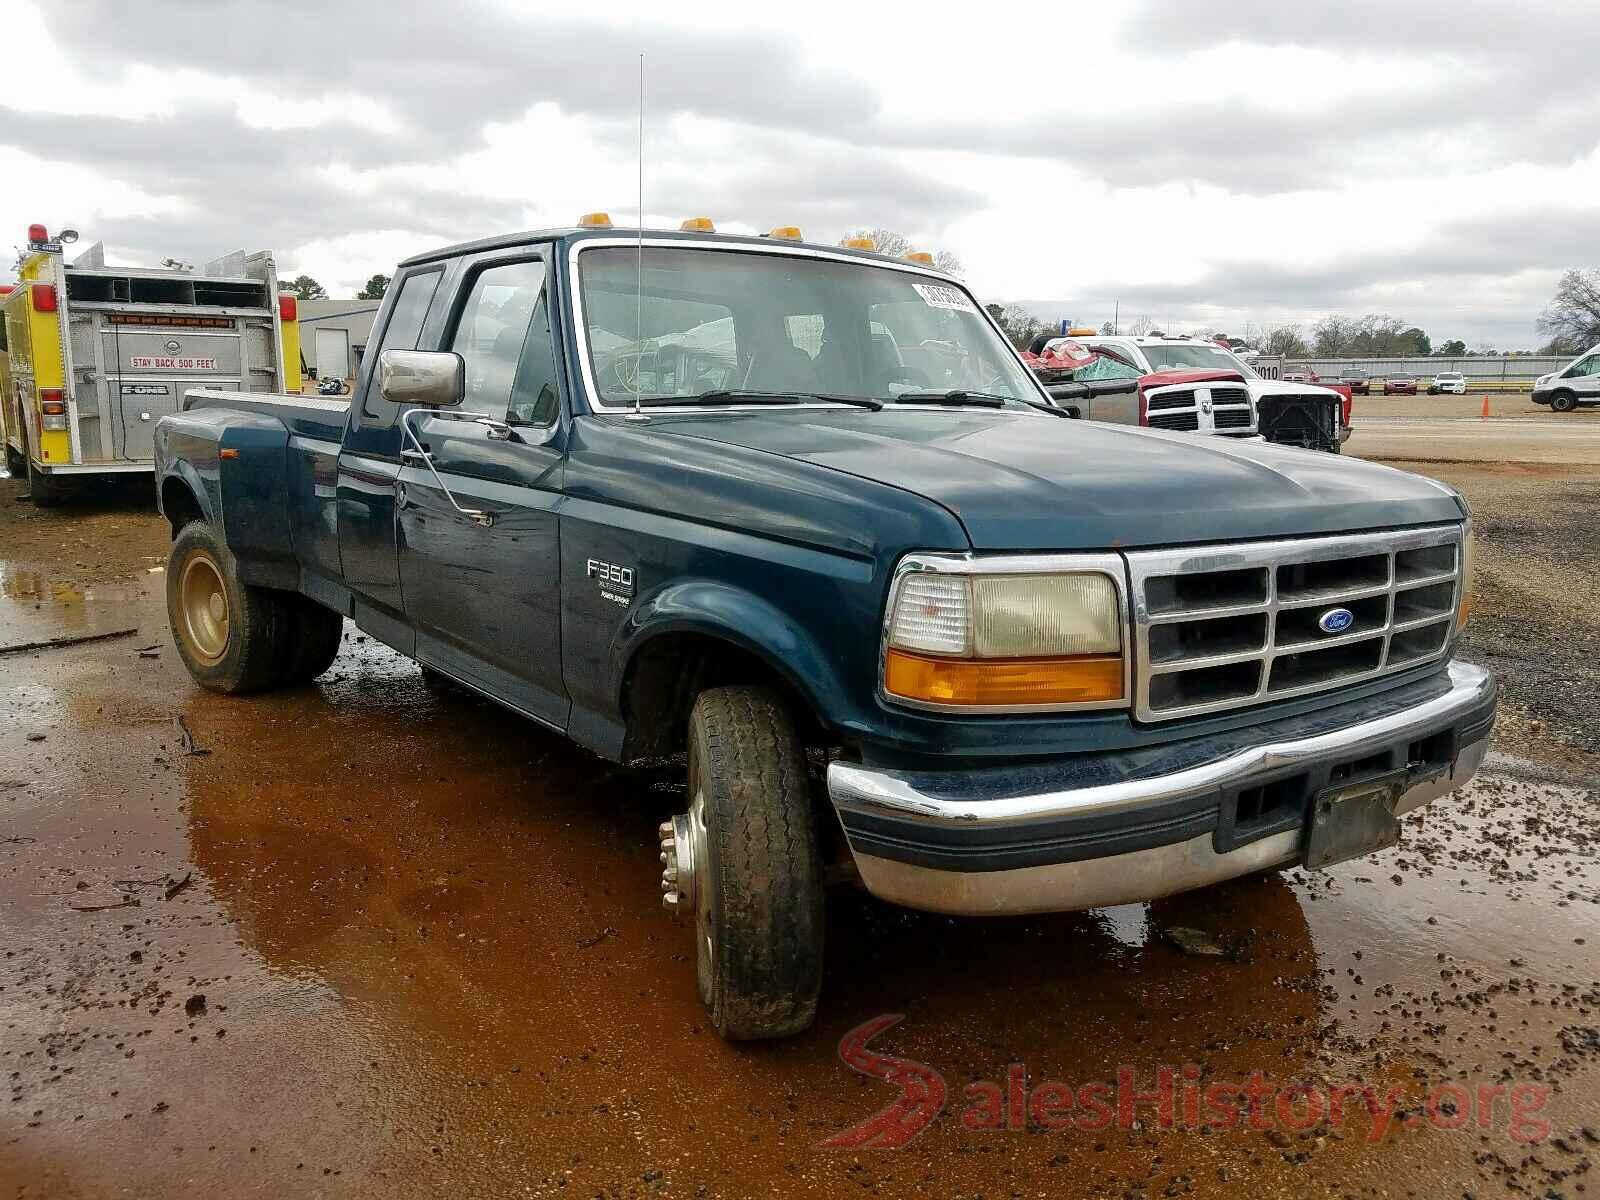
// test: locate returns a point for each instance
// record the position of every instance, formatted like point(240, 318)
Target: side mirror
point(431, 378)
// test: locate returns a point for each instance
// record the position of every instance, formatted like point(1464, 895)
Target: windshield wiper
point(722, 397)
point(955, 396)
point(1053, 410)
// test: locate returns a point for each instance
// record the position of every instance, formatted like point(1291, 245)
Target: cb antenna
point(638, 269)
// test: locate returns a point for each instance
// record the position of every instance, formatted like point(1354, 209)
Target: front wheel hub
point(683, 859)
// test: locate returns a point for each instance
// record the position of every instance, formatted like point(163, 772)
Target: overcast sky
point(1206, 165)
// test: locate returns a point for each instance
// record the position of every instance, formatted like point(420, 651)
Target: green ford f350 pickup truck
point(801, 514)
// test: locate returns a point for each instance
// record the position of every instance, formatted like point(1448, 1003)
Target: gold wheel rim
point(203, 600)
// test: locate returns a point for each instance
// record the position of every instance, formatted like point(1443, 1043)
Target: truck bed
point(320, 417)
point(278, 510)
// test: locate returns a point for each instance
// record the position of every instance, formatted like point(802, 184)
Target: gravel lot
point(356, 940)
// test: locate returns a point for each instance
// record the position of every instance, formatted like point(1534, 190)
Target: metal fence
point(1504, 371)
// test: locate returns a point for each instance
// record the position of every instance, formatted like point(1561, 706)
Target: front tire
point(1564, 402)
point(232, 636)
point(743, 864)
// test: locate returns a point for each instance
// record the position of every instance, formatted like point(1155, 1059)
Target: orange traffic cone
point(1485, 414)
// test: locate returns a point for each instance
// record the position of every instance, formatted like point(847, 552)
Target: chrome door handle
point(497, 431)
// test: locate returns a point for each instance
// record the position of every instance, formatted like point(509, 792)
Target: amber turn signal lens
point(1082, 679)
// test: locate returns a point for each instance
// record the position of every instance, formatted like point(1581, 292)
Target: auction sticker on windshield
point(145, 362)
point(935, 296)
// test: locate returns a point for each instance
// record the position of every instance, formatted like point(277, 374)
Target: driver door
point(483, 592)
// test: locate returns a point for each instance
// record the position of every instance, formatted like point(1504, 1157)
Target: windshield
point(1180, 357)
point(697, 320)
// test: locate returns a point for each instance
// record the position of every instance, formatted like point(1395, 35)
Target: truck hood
point(1022, 482)
point(1276, 387)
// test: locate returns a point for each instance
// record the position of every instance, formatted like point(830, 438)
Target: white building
point(333, 335)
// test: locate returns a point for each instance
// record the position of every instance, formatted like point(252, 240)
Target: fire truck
point(95, 355)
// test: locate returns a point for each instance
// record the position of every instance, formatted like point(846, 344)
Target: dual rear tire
point(235, 637)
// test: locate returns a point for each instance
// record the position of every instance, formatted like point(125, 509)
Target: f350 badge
point(615, 582)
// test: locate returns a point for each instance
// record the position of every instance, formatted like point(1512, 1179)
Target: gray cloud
point(248, 188)
point(1460, 273)
point(811, 145)
point(448, 70)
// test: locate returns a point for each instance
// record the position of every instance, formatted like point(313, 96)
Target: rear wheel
point(16, 462)
point(742, 865)
point(230, 635)
point(1564, 402)
point(42, 489)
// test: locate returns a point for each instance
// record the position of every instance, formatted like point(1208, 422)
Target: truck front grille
point(1182, 421)
point(1222, 627)
point(1171, 399)
point(1188, 409)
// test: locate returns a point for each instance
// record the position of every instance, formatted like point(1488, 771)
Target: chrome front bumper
point(1139, 825)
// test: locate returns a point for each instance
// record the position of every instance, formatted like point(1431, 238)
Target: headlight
point(973, 634)
point(1469, 577)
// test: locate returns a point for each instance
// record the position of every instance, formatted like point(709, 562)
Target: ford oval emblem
point(1336, 620)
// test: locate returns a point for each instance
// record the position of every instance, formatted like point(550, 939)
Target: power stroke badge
point(615, 582)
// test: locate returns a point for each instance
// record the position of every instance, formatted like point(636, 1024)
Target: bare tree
point(1284, 340)
point(1333, 336)
point(1378, 335)
point(1572, 318)
point(1142, 325)
point(1018, 324)
point(884, 241)
point(897, 245)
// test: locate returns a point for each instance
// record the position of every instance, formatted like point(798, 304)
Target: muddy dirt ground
point(357, 940)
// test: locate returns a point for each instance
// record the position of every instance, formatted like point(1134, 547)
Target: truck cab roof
point(611, 233)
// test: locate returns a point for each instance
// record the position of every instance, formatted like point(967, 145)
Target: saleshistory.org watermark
point(1172, 1098)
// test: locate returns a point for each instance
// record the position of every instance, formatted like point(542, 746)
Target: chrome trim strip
point(106, 467)
point(1145, 565)
point(1109, 565)
point(871, 790)
point(301, 441)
